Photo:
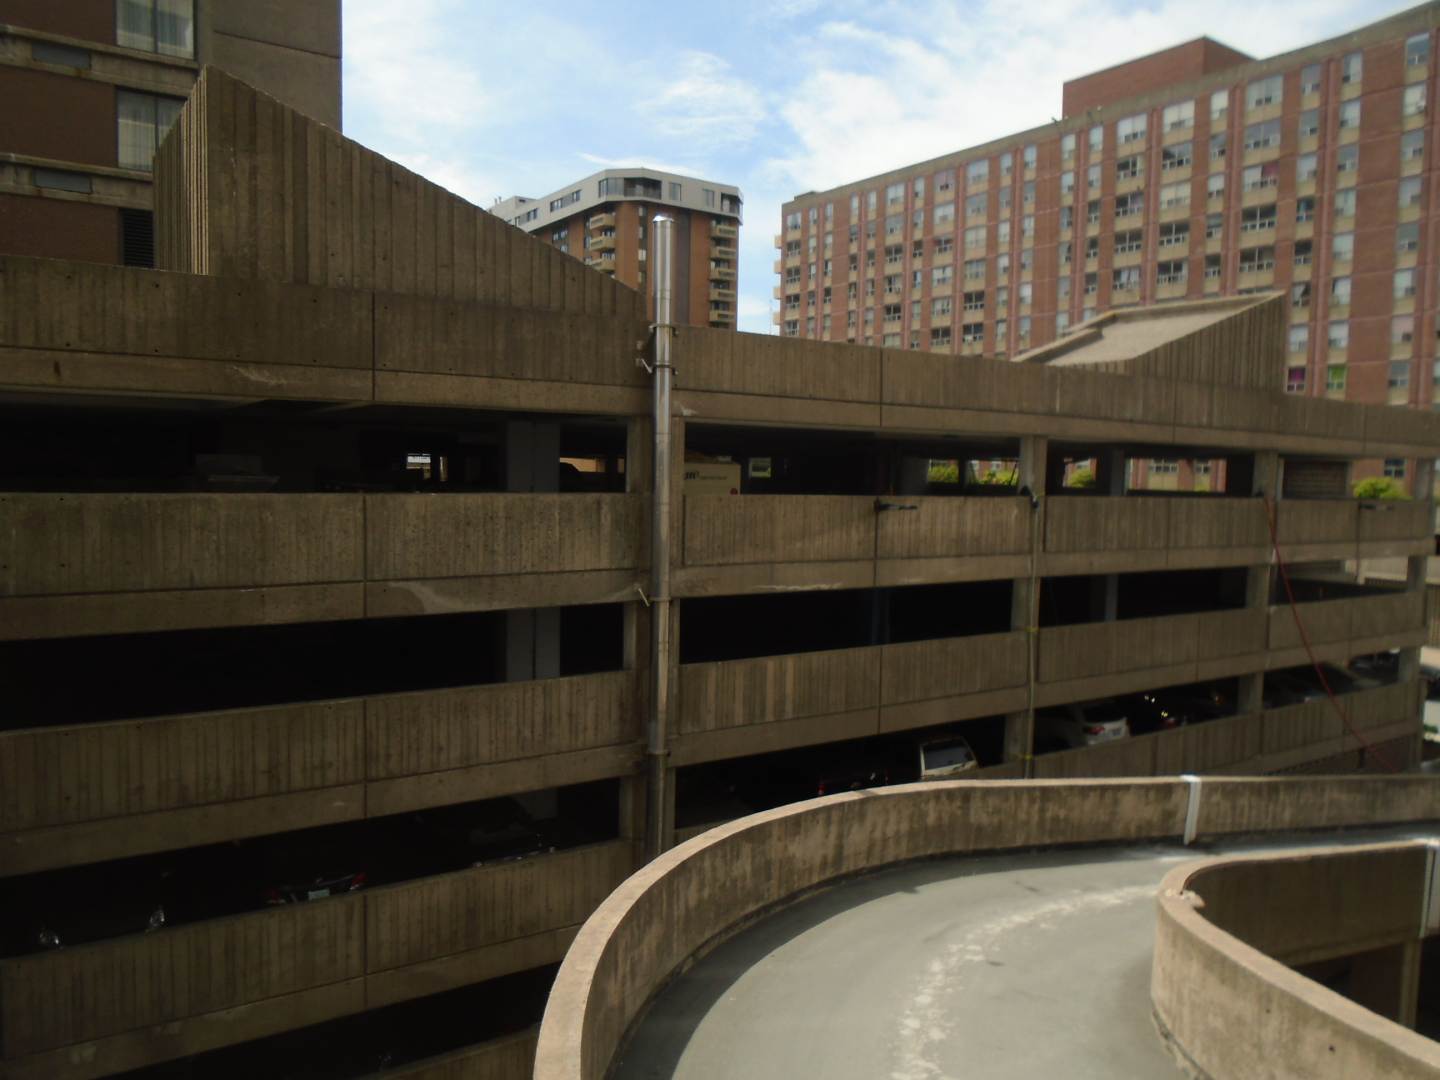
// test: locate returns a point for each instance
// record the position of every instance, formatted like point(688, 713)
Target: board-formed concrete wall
point(693, 895)
point(1224, 998)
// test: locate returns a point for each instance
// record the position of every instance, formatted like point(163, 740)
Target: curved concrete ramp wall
point(1225, 1000)
point(670, 910)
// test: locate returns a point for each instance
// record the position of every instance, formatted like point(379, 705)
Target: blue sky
point(781, 97)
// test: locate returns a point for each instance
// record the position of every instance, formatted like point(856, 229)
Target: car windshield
point(945, 755)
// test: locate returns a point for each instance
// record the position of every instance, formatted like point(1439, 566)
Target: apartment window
point(893, 282)
point(1092, 284)
point(1092, 212)
point(1029, 155)
point(895, 194)
point(1003, 200)
point(1067, 147)
point(1215, 186)
point(1257, 260)
point(940, 275)
point(1338, 335)
point(1092, 248)
point(1342, 246)
point(1022, 337)
point(1002, 266)
point(974, 269)
point(565, 200)
point(1175, 234)
point(1302, 252)
point(916, 278)
point(940, 307)
point(1298, 340)
point(1309, 126)
point(1407, 237)
point(1310, 79)
point(894, 253)
point(976, 205)
point(891, 341)
point(1062, 322)
point(1413, 102)
point(1067, 218)
point(1219, 106)
point(1096, 140)
point(1025, 258)
point(1412, 146)
point(1217, 146)
point(972, 333)
point(871, 198)
point(1305, 208)
point(1307, 168)
point(1300, 295)
point(1067, 182)
point(1345, 203)
point(1176, 117)
point(894, 224)
point(674, 189)
point(1263, 136)
point(1295, 380)
point(1214, 226)
point(1170, 273)
point(1063, 287)
point(944, 181)
point(1407, 193)
point(1417, 50)
point(1340, 292)
point(1399, 375)
point(1175, 195)
point(1349, 115)
point(1063, 252)
point(892, 313)
point(1394, 468)
point(1335, 378)
point(1402, 329)
point(944, 244)
point(944, 215)
point(1262, 92)
point(1130, 204)
point(1129, 168)
point(814, 216)
point(1404, 284)
point(1002, 299)
point(975, 236)
point(1131, 129)
point(854, 207)
point(707, 196)
point(1127, 242)
point(1007, 165)
point(829, 217)
point(917, 250)
point(1352, 68)
point(1125, 277)
point(1026, 293)
point(977, 172)
point(1027, 227)
point(142, 121)
point(940, 335)
point(1177, 155)
point(1092, 177)
point(166, 27)
point(917, 189)
point(1255, 218)
point(1259, 177)
point(917, 220)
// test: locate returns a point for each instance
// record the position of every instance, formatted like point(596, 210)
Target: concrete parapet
point(697, 893)
point(1226, 1002)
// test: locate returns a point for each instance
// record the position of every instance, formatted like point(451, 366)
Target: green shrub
point(1083, 477)
point(1379, 487)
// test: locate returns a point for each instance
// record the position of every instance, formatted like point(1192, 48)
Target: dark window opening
point(137, 238)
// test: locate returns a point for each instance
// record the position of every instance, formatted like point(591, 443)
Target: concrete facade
point(309, 472)
point(1195, 172)
point(68, 188)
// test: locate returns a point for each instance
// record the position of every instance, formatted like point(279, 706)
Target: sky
point(777, 97)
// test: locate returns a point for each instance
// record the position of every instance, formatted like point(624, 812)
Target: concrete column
point(1025, 596)
point(1417, 566)
point(1264, 480)
point(532, 456)
point(532, 635)
point(632, 814)
point(1387, 981)
point(1109, 480)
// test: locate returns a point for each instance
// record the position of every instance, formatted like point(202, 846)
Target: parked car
point(296, 868)
point(1081, 724)
point(1173, 707)
point(476, 834)
point(1384, 667)
point(95, 904)
point(948, 757)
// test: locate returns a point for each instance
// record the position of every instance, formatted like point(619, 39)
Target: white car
point(1082, 723)
point(946, 758)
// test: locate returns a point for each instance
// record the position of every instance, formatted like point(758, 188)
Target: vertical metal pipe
point(657, 740)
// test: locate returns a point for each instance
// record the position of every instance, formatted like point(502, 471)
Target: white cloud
point(638, 162)
point(705, 106)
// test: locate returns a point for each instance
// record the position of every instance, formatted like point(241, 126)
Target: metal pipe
point(657, 736)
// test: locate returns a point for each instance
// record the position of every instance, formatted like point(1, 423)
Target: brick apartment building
point(1194, 172)
point(604, 219)
point(92, 85)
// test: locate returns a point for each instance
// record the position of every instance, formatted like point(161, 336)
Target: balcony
point(131, 1001)
point(729, 294)
point(175, 561)
point(805, 698)
point(719, 317)
point(604, 220)
point(727, 251)
point(722, 273)
point(338, 760)
point(724, 232)
point(605, 241)
point(604, 262)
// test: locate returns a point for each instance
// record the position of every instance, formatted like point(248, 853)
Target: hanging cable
point(1365, 744)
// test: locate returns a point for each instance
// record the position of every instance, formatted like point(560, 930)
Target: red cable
point(1366, 744)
